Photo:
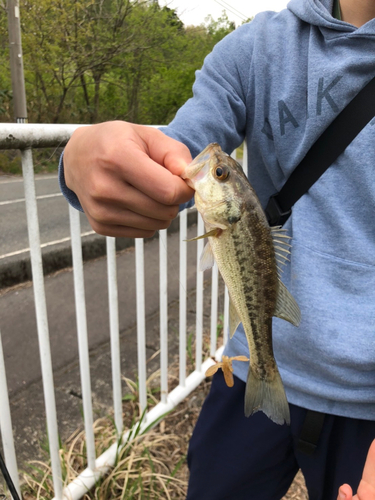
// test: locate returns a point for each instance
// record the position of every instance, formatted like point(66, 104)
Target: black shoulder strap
point(310, 432)
point(327, 148)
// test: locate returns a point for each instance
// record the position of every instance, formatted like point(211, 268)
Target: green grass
point(45, 161)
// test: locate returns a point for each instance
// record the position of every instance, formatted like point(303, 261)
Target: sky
point(195, 11)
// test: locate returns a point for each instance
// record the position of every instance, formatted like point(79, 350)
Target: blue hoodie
point(279, 81)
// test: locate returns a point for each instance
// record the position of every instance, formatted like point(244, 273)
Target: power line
point(231, 9)
point(234, 8)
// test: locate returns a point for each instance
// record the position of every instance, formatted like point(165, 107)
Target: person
point(276, 82)
point(366, 488)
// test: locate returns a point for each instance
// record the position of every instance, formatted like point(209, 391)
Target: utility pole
point(16, 62)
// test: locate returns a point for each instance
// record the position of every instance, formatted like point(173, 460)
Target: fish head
point(202, 169)
point(220, 186)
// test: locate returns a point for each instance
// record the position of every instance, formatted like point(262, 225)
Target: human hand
point(126, 177)
point(366, 488)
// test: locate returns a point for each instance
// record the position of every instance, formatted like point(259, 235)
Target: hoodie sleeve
point(69, 195)
point(217, 110)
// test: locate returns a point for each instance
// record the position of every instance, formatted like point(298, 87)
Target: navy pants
point(232, 457)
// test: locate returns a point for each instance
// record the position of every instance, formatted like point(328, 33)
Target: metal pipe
point(83, 348)
point(199, 299)
point(245, 159)
point(6, 426)
point(214, 299)
point(141, 322)
point(41, 317)
point(163, 314)
point(226, 316)
point(36, 135)
point(182, 297)
point(114, 332)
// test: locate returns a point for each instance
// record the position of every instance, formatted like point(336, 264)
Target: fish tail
point(267, 396)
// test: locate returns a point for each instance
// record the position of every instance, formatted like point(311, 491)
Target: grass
point(45, 161)
point(152, 465)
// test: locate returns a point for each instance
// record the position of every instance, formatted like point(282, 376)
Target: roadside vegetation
point(151, 466)
point(87, 61)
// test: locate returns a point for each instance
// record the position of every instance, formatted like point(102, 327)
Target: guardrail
point(28, 136)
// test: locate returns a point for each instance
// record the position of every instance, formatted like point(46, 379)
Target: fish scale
point(258, 308)
point(243, 245)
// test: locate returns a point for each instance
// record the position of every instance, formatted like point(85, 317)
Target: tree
point(94, 60)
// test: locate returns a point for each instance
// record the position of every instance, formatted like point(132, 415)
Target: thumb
point(345, 492)
point(172, 154)
point(177, 160)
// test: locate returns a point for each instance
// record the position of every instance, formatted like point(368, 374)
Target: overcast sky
point(195, 11)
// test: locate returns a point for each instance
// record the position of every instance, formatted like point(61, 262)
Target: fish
point(249, 255)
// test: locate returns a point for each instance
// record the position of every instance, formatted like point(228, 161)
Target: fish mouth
point(191, 172)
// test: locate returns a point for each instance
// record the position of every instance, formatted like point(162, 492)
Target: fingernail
point(342, 495)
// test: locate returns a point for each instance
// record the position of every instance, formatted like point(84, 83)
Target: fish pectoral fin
point(234, 319)
point(286, 306)
point(207, 259)
point(214, 232)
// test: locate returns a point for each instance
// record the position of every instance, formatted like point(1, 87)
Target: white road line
point(43, 245)
point(46, 178)
point(19, 200)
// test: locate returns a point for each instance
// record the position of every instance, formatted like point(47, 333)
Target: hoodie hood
point(318, 13)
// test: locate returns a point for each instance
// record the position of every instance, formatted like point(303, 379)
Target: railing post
point(141, 322)
point(6, 426)
point(214, 300)
point(114, 332)
point(182, 297)
point(163, 313)
point(199, 299)
point(84, 362)
point(41, 317)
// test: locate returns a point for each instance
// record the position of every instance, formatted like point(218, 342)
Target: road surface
point(52, 210)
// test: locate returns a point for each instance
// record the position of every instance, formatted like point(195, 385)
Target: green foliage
point(87, 61)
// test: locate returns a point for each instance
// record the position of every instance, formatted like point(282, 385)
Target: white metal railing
point(25, 137)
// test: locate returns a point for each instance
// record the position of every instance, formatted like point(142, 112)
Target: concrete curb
point(17, 269)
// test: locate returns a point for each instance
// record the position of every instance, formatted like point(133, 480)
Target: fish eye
point(221, 173)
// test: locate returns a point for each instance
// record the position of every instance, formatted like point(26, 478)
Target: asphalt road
point(18, 321)
point(17, 310)
point(52, 210)
point(17, 314)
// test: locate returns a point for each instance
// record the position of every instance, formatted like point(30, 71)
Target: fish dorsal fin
point(286, 307)
point(207, 259)
point(234, 319)
point(281, 243)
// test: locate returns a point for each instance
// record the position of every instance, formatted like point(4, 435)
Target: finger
point(121, 231)
point(144, 155)
point(369, 469)
point(154, 180)
point(113, 201)
point(172, 154)
point(365, 491)
point(345, 492)
point(127, 220)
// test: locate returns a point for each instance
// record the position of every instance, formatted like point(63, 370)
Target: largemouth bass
point(249, 255)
